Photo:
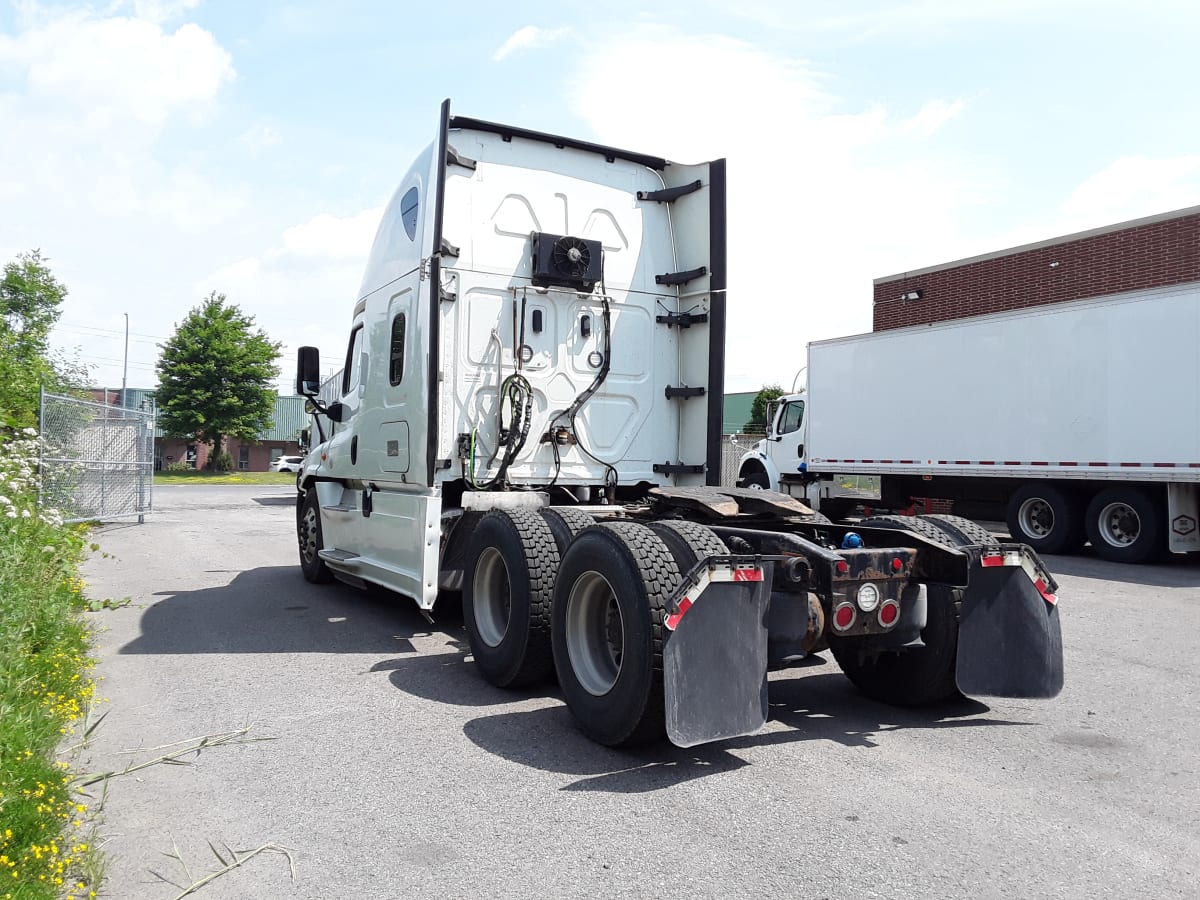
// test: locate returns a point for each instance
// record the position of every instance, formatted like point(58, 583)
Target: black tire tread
point(540, 550)
point(315, 572)
point(566, 523)
point(963, 530)
point(927, 530)
point(689, 542)
point(657, 570)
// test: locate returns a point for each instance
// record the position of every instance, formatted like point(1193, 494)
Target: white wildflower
point(25, 514)
point(10, 513)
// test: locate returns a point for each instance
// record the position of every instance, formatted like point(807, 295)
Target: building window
point(243, 457)
point(396, 356)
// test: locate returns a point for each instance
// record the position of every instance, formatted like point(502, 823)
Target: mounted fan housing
point(566, 261)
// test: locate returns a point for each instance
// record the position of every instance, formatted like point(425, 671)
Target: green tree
point(30, 304)
point(214, 376)
point(758, 409)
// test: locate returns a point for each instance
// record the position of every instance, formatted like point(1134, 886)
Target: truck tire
point(757, 479)
point(917, 525)
point(815, 518)
point(608, 631)
point(963, 530)
point(1125, 525)
point(565, 523)
point(922, 675)
point(689, 542)
point(1046, 518)
point(916, 677)
point(311, 540)
point(508, 586)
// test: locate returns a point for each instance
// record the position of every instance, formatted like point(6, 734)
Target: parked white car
point(287, 464)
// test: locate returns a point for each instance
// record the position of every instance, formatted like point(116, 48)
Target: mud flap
point(715, 660)
point(1009, 638)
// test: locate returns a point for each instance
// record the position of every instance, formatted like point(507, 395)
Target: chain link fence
point(97, 461)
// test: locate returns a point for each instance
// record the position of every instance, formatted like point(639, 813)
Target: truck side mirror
point(337, 412)
point(308, 371)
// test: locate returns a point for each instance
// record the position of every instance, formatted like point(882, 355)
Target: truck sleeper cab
point(530, 413)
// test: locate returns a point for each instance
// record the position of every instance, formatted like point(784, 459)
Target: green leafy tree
point(215, 375)
point(758, 409)
point(30, 304)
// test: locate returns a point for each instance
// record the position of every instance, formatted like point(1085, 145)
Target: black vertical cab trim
point(434, 294)
point(716, 321)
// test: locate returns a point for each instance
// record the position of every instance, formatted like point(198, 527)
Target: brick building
point(1157, 251)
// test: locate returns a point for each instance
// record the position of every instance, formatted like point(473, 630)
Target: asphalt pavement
point(392, 770)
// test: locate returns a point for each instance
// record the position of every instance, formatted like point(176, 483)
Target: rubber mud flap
point(715, 665)
point(1009, 638)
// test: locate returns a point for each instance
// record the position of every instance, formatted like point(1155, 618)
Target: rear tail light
point(844, 616)
point(889, 613)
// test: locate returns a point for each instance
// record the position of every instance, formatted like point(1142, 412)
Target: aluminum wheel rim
point(1120, 524)
point(595, 633)
point(308, 534)
point(1036, 517)
point(491, 597)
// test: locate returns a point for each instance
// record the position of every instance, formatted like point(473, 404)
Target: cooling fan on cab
point(565, 261)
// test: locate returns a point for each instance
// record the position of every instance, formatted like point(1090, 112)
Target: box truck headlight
point(868, 597)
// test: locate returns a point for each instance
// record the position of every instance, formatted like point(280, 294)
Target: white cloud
point(821, 199)
point(162, 10)
point(528, 38)
point(1135, 186)
point(932, 116)
point(326, 236)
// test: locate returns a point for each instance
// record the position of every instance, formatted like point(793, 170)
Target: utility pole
point(125, 365)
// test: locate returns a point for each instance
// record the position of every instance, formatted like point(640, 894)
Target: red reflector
point(897, 564)
point(747, 575)
point(989, 561)
point(888, 614)
point(843, 616)
point(843, 567)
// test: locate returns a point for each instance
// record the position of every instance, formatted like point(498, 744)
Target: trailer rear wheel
point(608, 631)
point(508, 586)
point(1046, 518)
point(308, 531)
point(1124, 525)
point(963, 530)
point(565, 523)
point(916, 677)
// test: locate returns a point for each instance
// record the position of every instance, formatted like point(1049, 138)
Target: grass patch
point(45, 690)
point(195, 477)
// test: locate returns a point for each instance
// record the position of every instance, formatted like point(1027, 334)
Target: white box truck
point(1074, 421)
point(530, 416)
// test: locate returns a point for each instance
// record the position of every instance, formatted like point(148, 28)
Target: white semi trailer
point(1075, 421)
point(530, 414)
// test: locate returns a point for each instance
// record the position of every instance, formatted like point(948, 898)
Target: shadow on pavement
point(813, 707)
point(274, 610)
point(1172, 572)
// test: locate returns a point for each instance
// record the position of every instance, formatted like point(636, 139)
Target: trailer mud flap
point(715, 657)
point(1009, 638)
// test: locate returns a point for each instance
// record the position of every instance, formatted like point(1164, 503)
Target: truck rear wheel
point(565, 523)
point(757, 479)
point(689, 542)
point(308, 531)
point(921, 675)
point(915, 677)
point(1046, 518)
point(608, 631)
point(962, 530)
point(508, 586)
point(1125, 525)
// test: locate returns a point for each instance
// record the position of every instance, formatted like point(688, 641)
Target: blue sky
point(159, 149)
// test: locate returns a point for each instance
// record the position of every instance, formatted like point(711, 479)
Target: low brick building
point(1156, 251)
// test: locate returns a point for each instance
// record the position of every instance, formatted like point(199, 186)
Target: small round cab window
point(408, 213)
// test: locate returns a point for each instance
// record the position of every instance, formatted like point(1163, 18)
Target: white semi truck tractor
point(530, 415)
point(1073, 422)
